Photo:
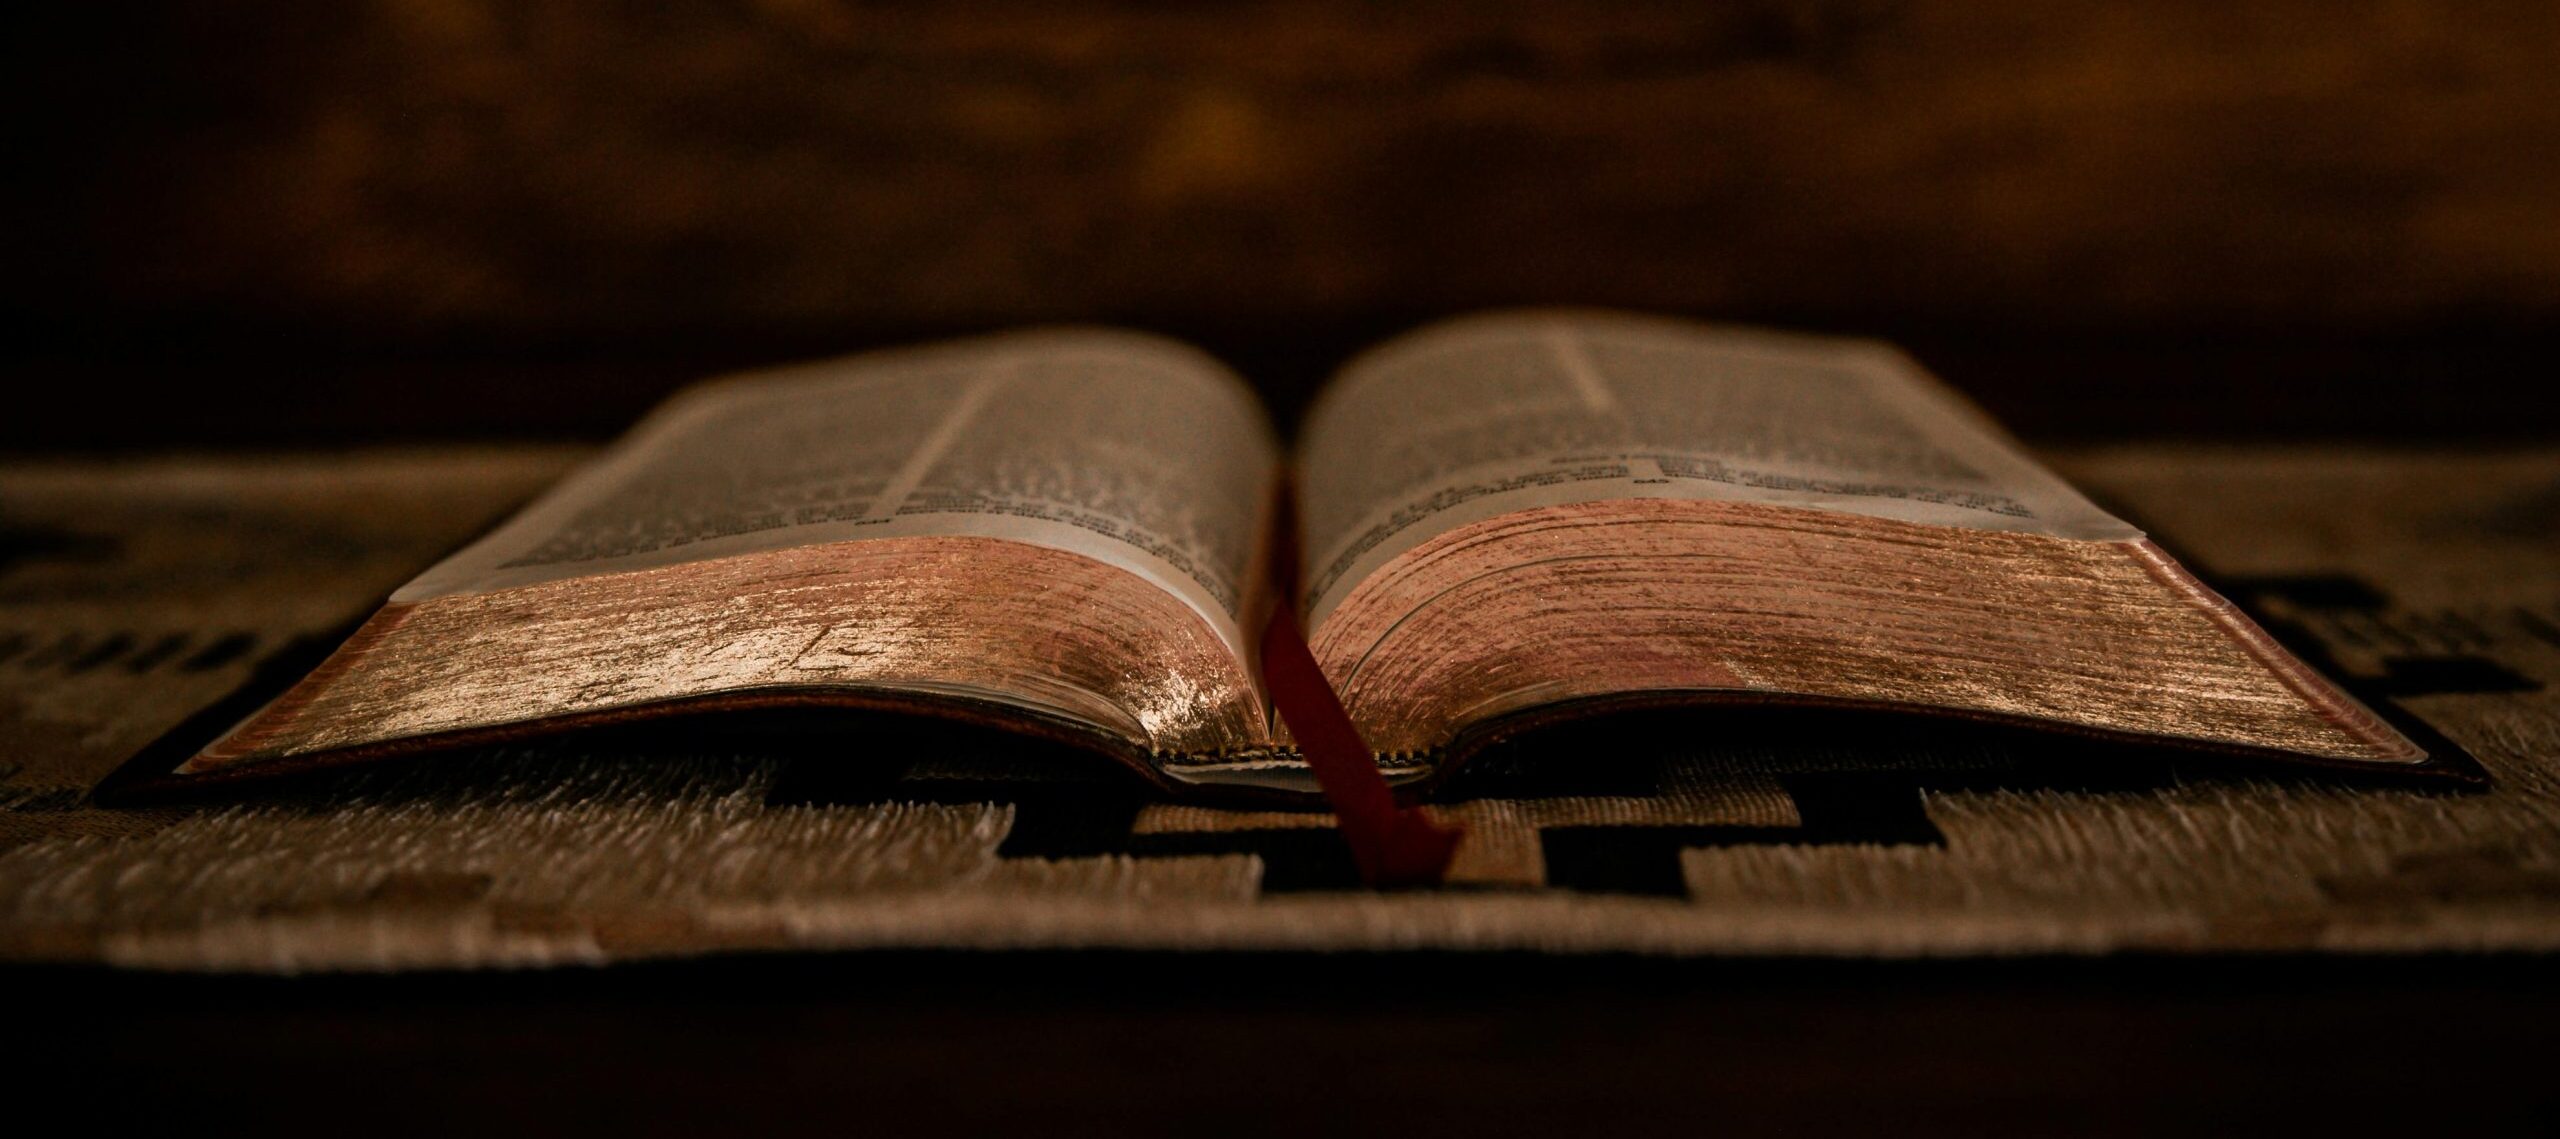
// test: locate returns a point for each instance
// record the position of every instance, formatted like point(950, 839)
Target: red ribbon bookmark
point(1393, 845)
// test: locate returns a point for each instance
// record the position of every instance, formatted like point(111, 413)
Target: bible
point(1500, 522)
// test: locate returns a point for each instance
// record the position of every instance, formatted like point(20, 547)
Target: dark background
point(332, 221)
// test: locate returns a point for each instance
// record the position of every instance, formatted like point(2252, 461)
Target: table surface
point(1245, 1044)
point(2140, 947)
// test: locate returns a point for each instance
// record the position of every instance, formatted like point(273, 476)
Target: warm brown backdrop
point(540, 215)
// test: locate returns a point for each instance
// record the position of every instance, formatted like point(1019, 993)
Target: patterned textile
point(135, 596)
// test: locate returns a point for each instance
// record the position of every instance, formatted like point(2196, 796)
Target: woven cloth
point(134, 595)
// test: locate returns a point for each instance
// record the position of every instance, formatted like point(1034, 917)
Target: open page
point(1126, 448)
point(1479, 417)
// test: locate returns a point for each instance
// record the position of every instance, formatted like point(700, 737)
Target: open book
point(1501, 521)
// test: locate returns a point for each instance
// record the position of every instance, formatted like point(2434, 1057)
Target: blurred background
point(364, 220)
